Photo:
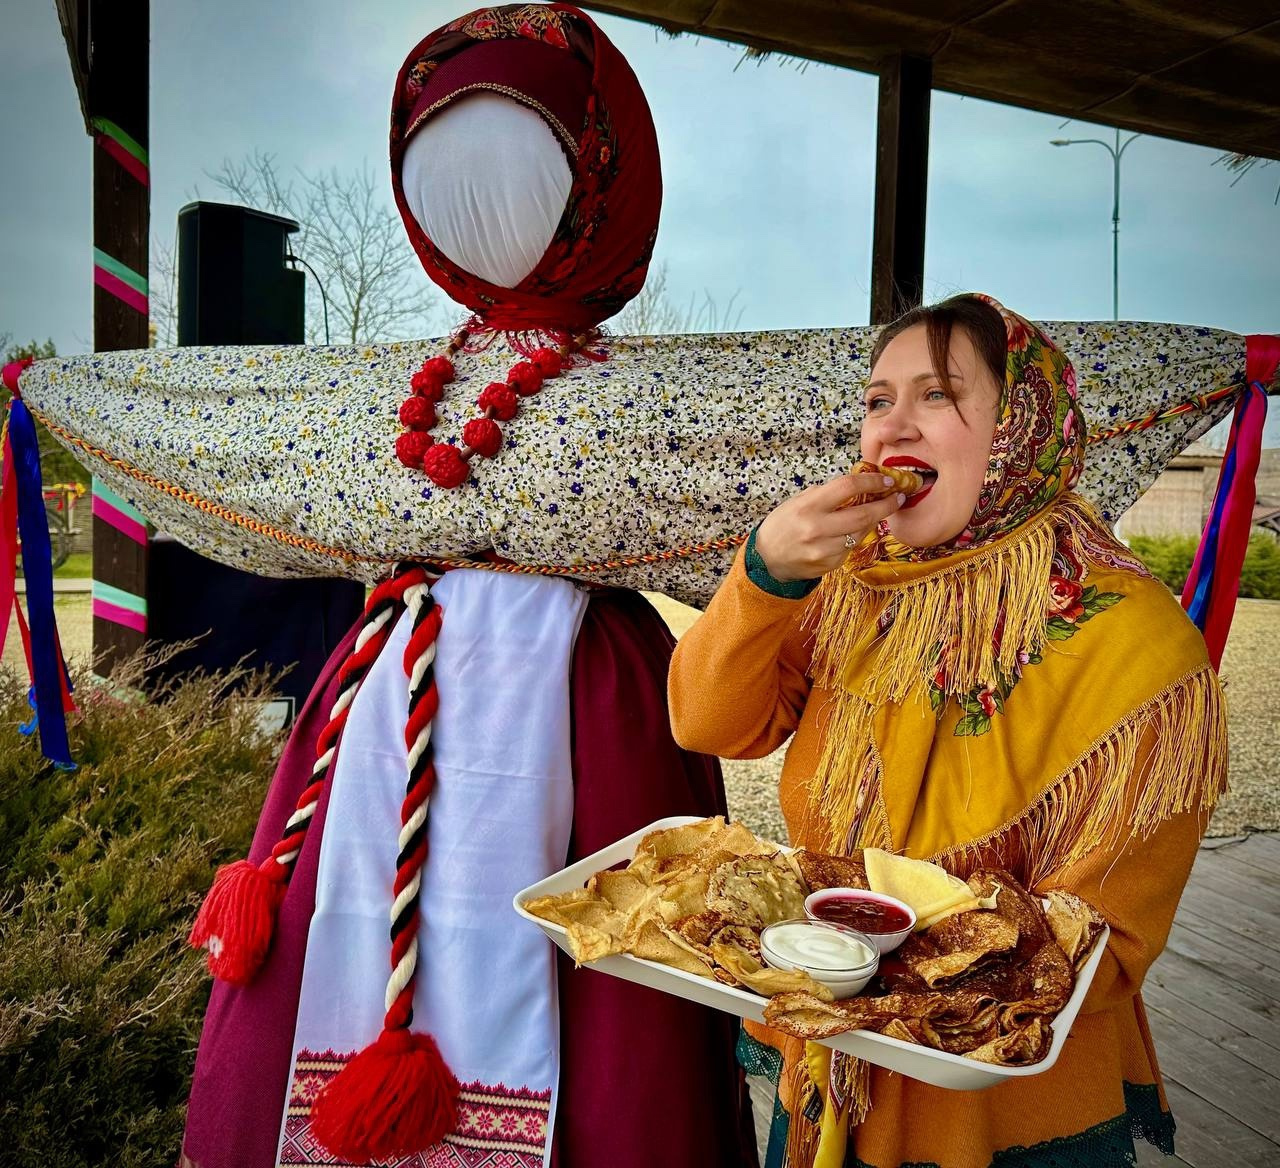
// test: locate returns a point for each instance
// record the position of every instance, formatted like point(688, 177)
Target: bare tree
point(349, 237)
point(652, 312)
point(162, 320)
point(353, 242)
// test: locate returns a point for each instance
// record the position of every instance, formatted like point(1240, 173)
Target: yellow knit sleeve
point(739, 677)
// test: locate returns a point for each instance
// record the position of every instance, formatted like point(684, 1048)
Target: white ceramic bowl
point(884, 942)
point(844, 982)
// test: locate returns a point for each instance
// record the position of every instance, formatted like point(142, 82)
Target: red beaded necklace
point(449, 465)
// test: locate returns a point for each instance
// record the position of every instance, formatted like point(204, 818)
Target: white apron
point(499, 819)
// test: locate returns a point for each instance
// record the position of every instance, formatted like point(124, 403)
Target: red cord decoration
point(398, 1095)
point(446, 464)
point(236, 923)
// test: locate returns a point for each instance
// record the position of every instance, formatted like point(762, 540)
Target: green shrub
point(1170, 556)
point(1260, 575)
point(101, 870)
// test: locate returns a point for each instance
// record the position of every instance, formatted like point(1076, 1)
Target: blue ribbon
point(1198, 609)
point(29, 728)
point(47, 667)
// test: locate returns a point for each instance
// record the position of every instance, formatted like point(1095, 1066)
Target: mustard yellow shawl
point(990, 700)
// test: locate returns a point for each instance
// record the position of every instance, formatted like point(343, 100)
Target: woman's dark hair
point(980, 320)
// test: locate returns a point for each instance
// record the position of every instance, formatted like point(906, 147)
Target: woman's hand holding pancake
point(811, 533)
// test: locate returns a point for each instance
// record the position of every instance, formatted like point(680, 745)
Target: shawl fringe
point(851, 1081)
point(843, 810)
point(802, 1132)
point(1100, 799)
point(984, 609)
point(1105, 796)
point(831, 1110)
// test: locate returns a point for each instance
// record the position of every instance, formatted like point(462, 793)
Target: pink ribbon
point(1225, 541)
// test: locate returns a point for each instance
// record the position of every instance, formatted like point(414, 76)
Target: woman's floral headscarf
point(1037, 452)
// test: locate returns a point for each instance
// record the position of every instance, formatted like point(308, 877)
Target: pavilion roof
point(1202, 73)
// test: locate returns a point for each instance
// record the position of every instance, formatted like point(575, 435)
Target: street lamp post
point(1116, 152)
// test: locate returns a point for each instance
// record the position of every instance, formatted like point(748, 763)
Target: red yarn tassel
point(237, 921)
point(395, 1098)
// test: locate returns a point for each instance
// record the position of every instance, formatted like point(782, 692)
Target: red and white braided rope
point(424, 702)
point(381, 610)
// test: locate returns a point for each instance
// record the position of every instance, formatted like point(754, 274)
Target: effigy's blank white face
point(487, 182)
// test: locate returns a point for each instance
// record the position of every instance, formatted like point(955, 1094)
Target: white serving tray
point(935, 1067)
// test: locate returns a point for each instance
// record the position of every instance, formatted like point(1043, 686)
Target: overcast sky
point(768, 173)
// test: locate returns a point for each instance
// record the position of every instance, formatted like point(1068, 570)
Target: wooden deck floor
point(1214, 1003)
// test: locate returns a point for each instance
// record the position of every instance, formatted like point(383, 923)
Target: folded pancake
point(1074, 923)
point(1018, 1048)
point(904, 479)
point(983, 982)
point(737, 951)
point(820, 870)
point(957, 946)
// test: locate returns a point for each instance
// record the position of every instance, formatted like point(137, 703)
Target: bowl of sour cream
point(842, 959)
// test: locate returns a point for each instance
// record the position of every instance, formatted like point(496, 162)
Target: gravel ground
point(1251, 677)
point(75, 628)
point(1250, 671)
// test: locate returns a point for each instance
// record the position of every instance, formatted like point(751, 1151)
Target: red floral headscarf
point(600, 253)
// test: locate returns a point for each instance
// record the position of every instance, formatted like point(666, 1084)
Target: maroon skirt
point(645, 1077)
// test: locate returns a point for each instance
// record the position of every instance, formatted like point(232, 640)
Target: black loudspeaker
point(233, 285)
point(234, 289)
point(269, 624)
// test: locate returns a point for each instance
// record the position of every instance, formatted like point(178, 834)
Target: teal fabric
point(758, 1058)
point(1147, 1119)
point(759, 575)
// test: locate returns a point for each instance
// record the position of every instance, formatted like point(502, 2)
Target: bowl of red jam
point(884, 920)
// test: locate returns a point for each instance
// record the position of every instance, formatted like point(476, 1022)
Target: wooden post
point(902, 180)
point(117, 112)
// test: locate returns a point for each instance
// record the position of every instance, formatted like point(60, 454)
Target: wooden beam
point(73, 17)
point(902, 180)
point(117, 109)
